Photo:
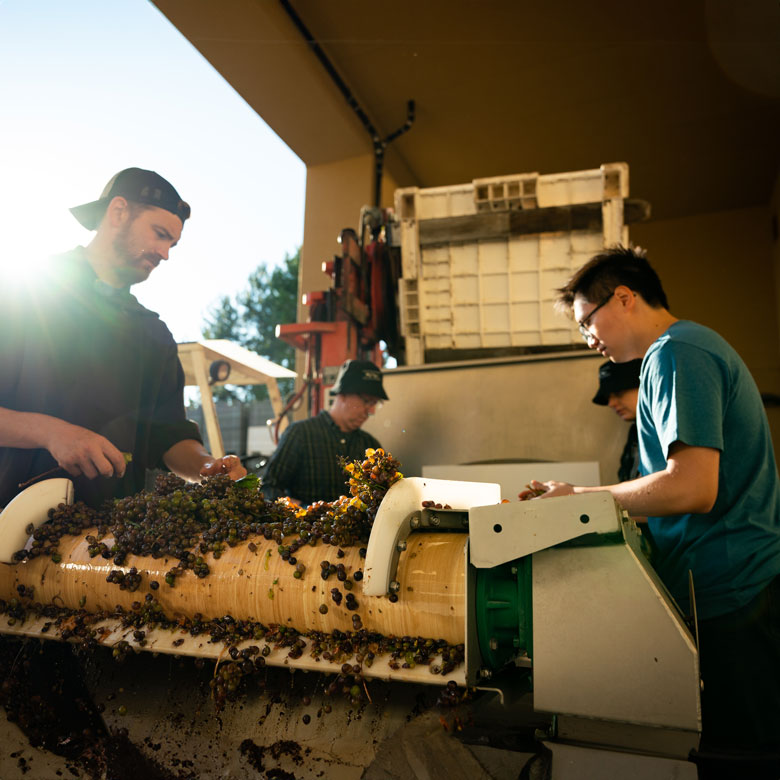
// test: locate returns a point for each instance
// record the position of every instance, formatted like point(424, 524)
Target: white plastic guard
point(505, 532)
point(403, 499)
point(31, 506)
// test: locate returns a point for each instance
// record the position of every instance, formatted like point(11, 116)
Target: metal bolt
point(415, 522)
point(485, 674)
point(493, 643)
point(513, 570)
point(435, 520)
point(401, 546)
point(395, 586)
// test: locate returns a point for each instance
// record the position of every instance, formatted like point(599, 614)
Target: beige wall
point(334, 194)
point(719, 269)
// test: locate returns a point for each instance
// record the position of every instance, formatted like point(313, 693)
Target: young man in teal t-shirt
point(710, 490)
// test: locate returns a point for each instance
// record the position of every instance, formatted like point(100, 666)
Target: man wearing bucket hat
point(305, 465)
point(91, 385)
point(619, 390)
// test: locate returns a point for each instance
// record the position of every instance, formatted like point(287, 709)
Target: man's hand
point(81, 451)
point(228, 464)
point(190, 461)
point(77, 450)
point(552, 489)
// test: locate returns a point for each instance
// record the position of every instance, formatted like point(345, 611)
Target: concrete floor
point(164, 704)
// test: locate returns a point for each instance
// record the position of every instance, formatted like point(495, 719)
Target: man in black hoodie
point(91, 385)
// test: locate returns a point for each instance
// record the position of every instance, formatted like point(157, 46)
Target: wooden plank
point(504, 224)
point(216, 446)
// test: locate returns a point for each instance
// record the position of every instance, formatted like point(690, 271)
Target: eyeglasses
point(369, 400)
point(584, 332)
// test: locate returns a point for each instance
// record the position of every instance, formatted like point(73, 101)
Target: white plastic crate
point(499, 293)
point(435, 202)
point(519, 191)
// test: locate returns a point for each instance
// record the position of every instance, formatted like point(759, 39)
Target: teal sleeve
point(688, 389)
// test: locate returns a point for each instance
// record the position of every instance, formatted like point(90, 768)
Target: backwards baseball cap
point(359, 377)
point(136, 185)
point(615, 378)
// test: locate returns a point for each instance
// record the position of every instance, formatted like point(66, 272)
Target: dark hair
point(608, 270)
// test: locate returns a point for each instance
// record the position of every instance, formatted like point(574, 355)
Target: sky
point(89, 87)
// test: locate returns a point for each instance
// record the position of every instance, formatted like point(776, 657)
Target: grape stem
point(39, 476)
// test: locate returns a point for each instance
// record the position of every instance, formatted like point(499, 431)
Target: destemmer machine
point(555, 602)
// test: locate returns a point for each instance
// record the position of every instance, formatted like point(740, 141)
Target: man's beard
point(130, 269)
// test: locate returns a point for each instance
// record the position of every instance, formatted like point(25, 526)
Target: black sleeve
point(279, 477)
point(12, 340)
point(368, 442)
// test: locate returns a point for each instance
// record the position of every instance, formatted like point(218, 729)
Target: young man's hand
point(552, 489)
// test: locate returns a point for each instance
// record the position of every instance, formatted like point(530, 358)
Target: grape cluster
point(226, 683)
point(327, 569)
point(129, 580)
point(530, 493)
point(186, 521)
point(349, 683)
point(371, 479)
point(71, 520)
point(15, 609)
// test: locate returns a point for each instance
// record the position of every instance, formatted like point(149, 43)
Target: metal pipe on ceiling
point(379, 144)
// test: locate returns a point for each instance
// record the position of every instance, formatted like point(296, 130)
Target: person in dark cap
point(619, 390)
point(305, 465)
point(91, 385)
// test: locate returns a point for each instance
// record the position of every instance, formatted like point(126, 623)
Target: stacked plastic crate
point(481, 261)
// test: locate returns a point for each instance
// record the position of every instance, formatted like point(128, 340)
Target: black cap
point(136, 185)
point(359, 377)
point(615, 378)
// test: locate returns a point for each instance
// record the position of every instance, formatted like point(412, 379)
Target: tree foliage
point(270, 298)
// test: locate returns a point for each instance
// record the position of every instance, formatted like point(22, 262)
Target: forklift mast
point(357, 317)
